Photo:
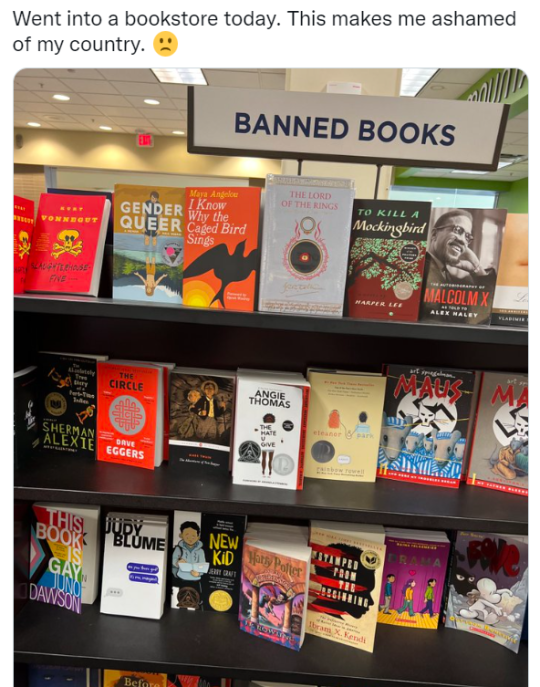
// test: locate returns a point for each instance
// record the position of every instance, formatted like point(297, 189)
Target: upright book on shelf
point(427, 412)
point(221, 261)
point(511, 303)
point(68, 244)
point(131, 678)
point(500, 451)
point(344, 425)
point(488, 586)
point(386, 259)
point(25, 409)
point(306, 230)
point(23, 228)
point(60, 676)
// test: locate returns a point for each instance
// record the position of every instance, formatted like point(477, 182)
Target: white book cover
point(269, 431)
point(134, 565)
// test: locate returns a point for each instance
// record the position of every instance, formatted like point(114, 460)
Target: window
point(446, 197)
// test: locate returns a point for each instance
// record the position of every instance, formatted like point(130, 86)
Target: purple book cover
point(413, 582)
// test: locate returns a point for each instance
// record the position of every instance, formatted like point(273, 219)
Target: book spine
point(473, 438)
point(303, 437)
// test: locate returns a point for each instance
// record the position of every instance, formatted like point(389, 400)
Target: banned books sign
point(345, 128)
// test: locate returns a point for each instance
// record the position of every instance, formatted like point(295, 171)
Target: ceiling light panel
point(192, 76)
point(413, 80)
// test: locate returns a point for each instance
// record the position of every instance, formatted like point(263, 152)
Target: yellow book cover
point(130, 678)
point(344, 425)
point(344, 587)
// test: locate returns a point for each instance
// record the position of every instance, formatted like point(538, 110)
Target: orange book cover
point(130, 678)
point(221, 256)
point(127, 414)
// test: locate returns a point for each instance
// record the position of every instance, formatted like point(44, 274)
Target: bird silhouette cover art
point(221, 259)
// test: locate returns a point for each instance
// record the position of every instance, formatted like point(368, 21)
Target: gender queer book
point(23, 228)
point(500, 451)
point(148, 243)
point(131, 678)
point(275, 579)
point(386, 259)
point(511, 304)
point(56, 558)
point(425, 423)
point(464, 248)
point(221, 259)
point(488, 586)
point(91, 546)
point(201, 412)
point(270, 429)
point(345, 581)
point(68, 405)
point(68, 245)
point(134, 565)
point(344, 425)
point(305, 244)
point(25, 407)
point(413, 578)
point(131, 413)
point(206, 561)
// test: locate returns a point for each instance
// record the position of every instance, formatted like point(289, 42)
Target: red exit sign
point(145, 141)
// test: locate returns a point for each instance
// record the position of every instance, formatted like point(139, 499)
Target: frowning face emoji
point(165, 43)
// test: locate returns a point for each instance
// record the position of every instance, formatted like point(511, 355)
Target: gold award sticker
point(55, 404)
point(370, 560)
point(220, 600)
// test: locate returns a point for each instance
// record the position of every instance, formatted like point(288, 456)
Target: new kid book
point(386, 259)
point(148, 243)
point(206, 561)
point(23, 228)
point(68, 404)
point(25, 408)
point(345, 581)
point(426, 417)
point(306, 230)
point(413, 578)
point(134, 565)
point(270, 429)
point(201, 412)
point(68, 244)
point(344, 425)
point(131, 678)
point(56, 558)
point(130, 413)
point(500, 451)
point(488, 586)
point(511, 303)
point(221, 258)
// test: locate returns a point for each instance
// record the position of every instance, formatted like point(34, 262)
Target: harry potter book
point(464, 248)
point(221, 261)
point(488, 586)
point(25, 408)
point(131, 678)
point(511, 304)
point(68, 405)
point(206, 561)
point(305, 244)
point(148, 243)
point(68, 244)
point(23, 228)
point(344, 425)
point(201, 412)
point(426, 417)
point(413, 578)
point(345, 581)
point(386, 259)
point(500, 451)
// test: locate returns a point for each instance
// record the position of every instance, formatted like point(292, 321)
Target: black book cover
point(25, 406)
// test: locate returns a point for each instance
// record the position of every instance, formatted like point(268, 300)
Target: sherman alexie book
point(306, 230)
point(23, 228)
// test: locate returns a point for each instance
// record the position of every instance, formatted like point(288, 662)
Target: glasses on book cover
point(467, 236)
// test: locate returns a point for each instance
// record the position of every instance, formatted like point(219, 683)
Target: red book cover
point(221, 257)
point(67, 244)
point(23, 227)
point(127, 414)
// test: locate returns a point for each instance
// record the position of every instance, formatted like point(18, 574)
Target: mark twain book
point(306, 230)
point(345, 581)
point(511, 304)
point(344, 425)
point(221, 260)
point(23, 228)
point(68, 244)
point(413, 578)
point(25, 409)
point(500, 451)
point(427, 412)
point(386, 259)
point(488, 586)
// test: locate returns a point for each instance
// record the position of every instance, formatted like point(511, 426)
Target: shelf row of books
point(332, 580)
point(428, 425)
point(68, 676)
point(319, 252)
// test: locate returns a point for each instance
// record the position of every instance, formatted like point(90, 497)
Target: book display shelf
point(210, 643)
